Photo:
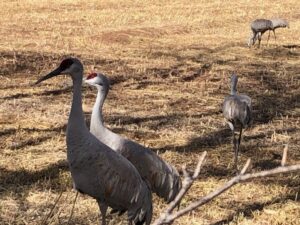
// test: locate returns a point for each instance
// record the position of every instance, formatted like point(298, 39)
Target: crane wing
point(162, 177)
point(237, 110)
point(246, 99)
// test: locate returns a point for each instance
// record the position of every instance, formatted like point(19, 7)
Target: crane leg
point(274, 36)
point(268, 38)
point(238, 148)
point(103, 210)
point(234, 142)
point(259, 40)
point(240, 136)
point(252, 39)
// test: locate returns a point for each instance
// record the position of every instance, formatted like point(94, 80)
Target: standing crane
point(260, 26)
point(96, 169)
point(237, 111)
point(164, 179)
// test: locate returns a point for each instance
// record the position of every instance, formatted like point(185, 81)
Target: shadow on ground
point(248, 209)
point(20, 180)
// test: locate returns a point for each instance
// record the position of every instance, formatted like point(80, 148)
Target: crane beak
point(54, 73)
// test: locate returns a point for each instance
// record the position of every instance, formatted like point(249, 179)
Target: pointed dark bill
point(54, 73)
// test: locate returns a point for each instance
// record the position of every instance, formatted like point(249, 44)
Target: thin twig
point(199, 165)
point(60, 210)
point(284, 155)
point(72, 208)
point(187, 183)
point(246, 166)
point(51, 211)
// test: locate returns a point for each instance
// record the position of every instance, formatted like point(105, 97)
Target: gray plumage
point(162, 177)
point(237, 111)
point(260, 26)
point(96, 169)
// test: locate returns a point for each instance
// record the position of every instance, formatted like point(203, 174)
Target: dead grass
point(169, 63)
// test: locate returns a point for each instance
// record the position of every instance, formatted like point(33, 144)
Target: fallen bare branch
point(168, 216)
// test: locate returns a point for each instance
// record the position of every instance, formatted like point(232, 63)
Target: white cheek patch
point(91, 81)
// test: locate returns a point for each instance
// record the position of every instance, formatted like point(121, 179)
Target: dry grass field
point(169, 63)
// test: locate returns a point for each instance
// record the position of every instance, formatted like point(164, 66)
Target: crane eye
point(101, 84)
point(66, 63)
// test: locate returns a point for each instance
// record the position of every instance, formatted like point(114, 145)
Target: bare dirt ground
point(169, 63)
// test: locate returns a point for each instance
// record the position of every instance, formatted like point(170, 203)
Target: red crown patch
point(91, 76)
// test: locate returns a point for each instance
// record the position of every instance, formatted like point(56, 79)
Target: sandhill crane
point(237, 111)
point(96, 169)
point(260, 26)
point(162, 177)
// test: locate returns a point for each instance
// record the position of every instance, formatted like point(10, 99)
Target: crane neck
point(97, 116)
point(98, 128)
point(234, 81)
point(76, 123)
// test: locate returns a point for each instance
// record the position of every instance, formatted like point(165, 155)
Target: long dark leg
point(234, 142)
point(252, 39)
point(268, 38)
point(255, 35)
point(103, 210)
point(240, 136)
point(238, 147)
point(259, 39)
point(274, 36)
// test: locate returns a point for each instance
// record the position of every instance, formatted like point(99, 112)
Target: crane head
point(280, 23)
point(250, 42)
point(70, 66)
point(98, 80)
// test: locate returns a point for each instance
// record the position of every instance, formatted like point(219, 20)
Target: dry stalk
point(284, 155)
point(52, 209)
point(72, 210)
point(168, 217)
